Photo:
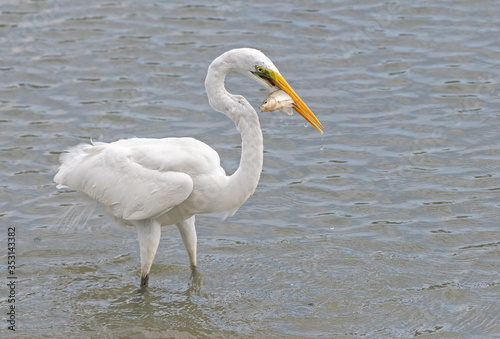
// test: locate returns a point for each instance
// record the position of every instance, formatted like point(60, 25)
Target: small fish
point(278, 100)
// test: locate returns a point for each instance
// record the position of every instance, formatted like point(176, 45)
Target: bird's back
point(137, 178)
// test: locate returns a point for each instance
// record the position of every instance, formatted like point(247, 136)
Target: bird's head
point(256, 65)
point(259, 67)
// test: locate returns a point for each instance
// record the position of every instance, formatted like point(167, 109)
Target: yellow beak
point(298, 105)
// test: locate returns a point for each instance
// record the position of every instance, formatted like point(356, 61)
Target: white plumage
point(157, 182)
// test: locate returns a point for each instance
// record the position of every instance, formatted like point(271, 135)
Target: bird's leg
point(149, 232)
point(188, 233)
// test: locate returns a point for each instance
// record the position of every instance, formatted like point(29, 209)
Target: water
point(384, 226)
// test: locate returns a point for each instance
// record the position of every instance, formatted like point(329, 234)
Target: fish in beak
point(274, 79)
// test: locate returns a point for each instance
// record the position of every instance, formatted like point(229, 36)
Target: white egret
point(151, 183)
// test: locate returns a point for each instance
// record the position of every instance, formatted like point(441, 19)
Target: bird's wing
point(136, 178)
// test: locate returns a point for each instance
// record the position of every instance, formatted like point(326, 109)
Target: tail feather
point(71, 160)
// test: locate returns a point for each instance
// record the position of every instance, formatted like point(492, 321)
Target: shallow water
point(384, 226)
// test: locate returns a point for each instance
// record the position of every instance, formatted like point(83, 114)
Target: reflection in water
point(133, 307)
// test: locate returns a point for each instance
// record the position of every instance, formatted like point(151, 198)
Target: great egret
point(151, 183)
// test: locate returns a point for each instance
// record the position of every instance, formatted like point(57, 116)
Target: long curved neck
point(244, 181)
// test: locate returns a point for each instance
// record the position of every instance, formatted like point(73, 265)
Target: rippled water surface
point(387, 225)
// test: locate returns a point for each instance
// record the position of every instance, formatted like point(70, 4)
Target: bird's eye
point(259, 69)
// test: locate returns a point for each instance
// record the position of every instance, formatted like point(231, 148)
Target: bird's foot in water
point(144, 281)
